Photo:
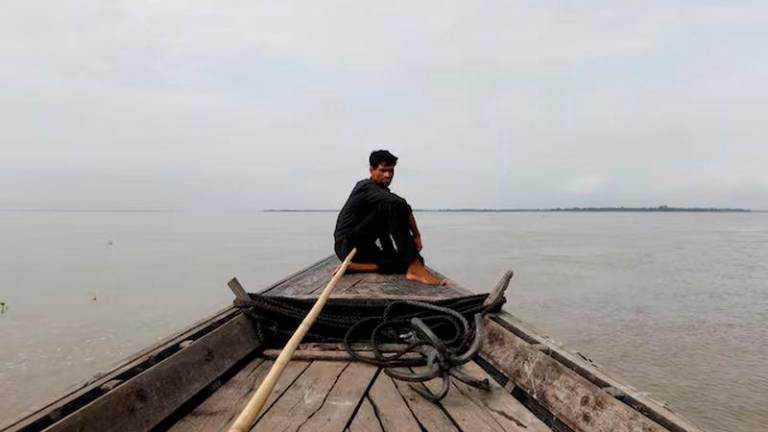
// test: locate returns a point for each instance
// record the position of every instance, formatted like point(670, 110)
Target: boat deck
point(309, 282)
point(321, 390)
point(352, 396)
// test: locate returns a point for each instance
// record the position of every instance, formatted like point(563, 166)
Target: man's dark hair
point(382, 157)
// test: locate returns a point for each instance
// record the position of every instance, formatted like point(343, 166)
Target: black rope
point(441, 335)
point(338, 315)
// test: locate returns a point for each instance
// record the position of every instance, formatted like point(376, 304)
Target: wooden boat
point(200, 378)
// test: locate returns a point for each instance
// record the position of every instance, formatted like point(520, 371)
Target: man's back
point(363, 199)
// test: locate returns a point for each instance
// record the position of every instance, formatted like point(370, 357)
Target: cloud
point(98, 37)
point(586, 185)
point(508, 104)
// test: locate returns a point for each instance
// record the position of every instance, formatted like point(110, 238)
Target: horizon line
point(552, 209)
point(446, 209)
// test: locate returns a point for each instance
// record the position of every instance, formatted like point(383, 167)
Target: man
point(381, 226)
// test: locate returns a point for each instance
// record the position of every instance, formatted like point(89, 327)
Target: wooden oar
point(251, 411)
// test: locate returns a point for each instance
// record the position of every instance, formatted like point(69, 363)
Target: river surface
point(675, 304)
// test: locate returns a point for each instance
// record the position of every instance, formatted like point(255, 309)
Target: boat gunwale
point(634, 399)
point(293, 275)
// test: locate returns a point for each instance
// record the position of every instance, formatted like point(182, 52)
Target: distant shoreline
point(558, 209)
point(661, 209)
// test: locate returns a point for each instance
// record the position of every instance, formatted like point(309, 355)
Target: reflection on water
point(674, 304)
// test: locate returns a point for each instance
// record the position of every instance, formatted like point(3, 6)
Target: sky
point(246, 105)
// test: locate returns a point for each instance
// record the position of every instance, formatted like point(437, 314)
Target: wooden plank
point(497, 295)
point(303, 398)
point(397, 289)
point(576, 402)
point(96, 387)
point(502, 406)
point(278, 286)
point(144, 401)
point(238, 290)
point(337, 346)
point(651, 408)
point(431, 417)
point(305, 355)
point(394, 414)
point(347, 283)
point(399, 285)
point(308, 280)
point(365, 420)
point(208, 415)
point(220, 409)
point(466, 414)
point(316, 355)
point(343, 399)
point(387, 296)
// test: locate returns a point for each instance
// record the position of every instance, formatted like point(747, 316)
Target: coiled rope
point(444, 334)
point(443, 337)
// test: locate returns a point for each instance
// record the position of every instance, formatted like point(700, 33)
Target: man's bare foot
point(418, 273)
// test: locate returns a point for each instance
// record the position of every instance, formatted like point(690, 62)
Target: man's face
point(382, 174)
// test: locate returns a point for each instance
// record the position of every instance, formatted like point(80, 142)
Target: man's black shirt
point(365, 196)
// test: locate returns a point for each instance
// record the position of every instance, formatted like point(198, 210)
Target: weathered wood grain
point(394, 414)
point(572, 399)
point(365, 420)
point(238, 290)
point(466, 414)
point(316, 355)
point(144, 401)
point(302, 399)
point(360, 347)
point(496, 297)
point(220, 409)
point(279, 285)
point(347, 283)
point(310, 355)
point(396, 286)
point(307, 281)
point(396, 289)
point(651, 408)
point(502, 406)
point(432, 417)
point(209, 414)
point(343, 399)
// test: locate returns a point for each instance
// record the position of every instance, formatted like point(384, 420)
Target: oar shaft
point(251, 411)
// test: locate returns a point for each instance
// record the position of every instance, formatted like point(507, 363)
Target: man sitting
point(381, 226)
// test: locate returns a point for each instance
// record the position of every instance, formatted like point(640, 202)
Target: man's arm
point(415, 232)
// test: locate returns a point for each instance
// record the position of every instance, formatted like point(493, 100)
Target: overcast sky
point(244, 105)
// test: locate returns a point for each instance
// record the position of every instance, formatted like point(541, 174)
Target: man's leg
point(364, 266)
point(363, 238)
point(389, 224)
point(406, 258)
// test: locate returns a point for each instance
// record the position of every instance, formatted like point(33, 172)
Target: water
point(673, 304)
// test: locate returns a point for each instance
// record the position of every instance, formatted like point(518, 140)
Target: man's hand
point(417, 241)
